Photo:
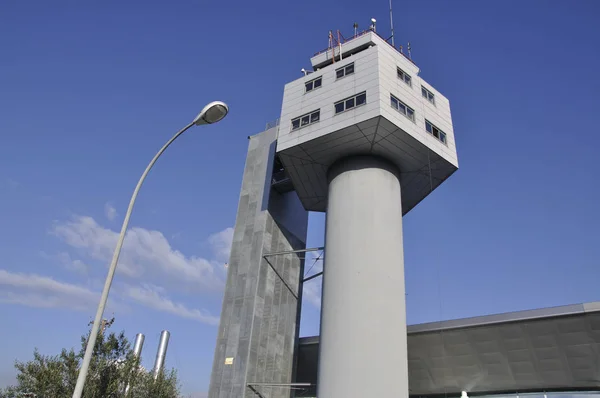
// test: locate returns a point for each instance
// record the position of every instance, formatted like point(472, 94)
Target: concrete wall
point(363, 314)
point(260, 315)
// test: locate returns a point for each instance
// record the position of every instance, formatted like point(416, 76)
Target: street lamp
point(212, 113)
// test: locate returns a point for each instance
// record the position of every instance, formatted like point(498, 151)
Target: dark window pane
point(305, 120)
point(410, 112)
point(443, 137)
point(314, 117)
point(317, 83)
point(394, 102)
point(428, 127)
point(350, 103)
point(402, 108)
point(361, 99)
point(350, 69)
point(436, 133)
point(423, 92)
point(339, 107)
point(407, 79)
point(309, 86)
point(339, 73)
point(295, 124)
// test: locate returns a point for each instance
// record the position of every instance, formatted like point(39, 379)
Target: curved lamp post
point(212, 113)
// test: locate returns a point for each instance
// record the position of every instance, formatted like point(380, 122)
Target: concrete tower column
point(363, 350)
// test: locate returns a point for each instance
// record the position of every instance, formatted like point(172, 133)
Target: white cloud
point(73, 264)
point(146, 255)
point(312, 292)
point(144, 252)
point(312, 289)
point(44, 292)
point(38, 291)
point(110, 212)
point(154, 297)
point(221, 244)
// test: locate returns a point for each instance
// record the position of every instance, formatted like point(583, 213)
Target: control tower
point(363, 138)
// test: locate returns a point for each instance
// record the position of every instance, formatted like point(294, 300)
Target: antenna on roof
point(355, 29)
point(373, 24)
point(408, 48)
point(392, 23)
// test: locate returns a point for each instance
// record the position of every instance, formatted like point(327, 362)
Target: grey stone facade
point(260, 317)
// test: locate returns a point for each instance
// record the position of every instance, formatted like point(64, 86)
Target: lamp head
point(212, 113)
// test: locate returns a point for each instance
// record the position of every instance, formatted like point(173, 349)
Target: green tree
point(113, 366)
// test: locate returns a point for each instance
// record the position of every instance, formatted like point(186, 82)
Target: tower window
point(428, 94)
point(434, 131)
point(313, 84)
point(402, 108)
point(305, 120)
point(352, 102)
point(405, 77)
point(344, 71)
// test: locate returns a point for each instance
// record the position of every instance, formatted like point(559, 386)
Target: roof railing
point(343, 40)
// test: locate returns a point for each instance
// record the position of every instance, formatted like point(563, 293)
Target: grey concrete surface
point(363, 351)
point(258, 331)
point(547, 349)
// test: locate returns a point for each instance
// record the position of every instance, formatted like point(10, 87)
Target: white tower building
point(365, 139)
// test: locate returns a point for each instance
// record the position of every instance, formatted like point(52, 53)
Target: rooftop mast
point(392, 23)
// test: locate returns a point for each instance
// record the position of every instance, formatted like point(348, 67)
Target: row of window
point(410, 113)
point(344, 71)
point(339, 73)
point(349, 69)
point(359, 100)
point(436, 132)
point(402, 108)
point(340, 106)
point(405, 77)
point(313, 84)
point(351, 102)
point(305, 120)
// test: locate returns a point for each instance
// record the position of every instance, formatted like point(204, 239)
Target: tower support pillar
point(363, 349)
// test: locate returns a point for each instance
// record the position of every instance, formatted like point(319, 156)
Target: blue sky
point(89, 92)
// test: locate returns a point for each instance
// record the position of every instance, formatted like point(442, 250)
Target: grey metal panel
point(538, 350)
point(259, 319)
point(500, 318)
point(376, 136)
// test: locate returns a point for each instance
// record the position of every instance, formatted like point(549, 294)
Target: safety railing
point(343, 40)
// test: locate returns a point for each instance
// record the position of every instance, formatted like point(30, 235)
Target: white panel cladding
point(438, 114)
point(297, 102)
point(376, 128)
point(376, 73)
